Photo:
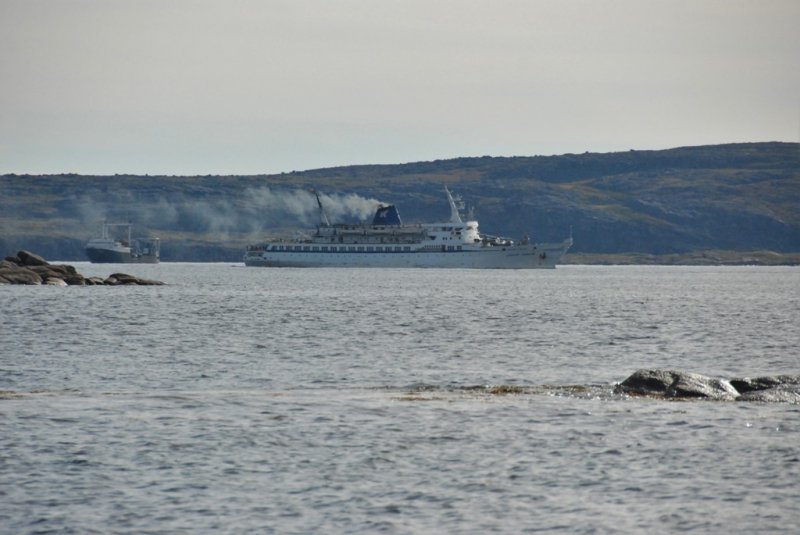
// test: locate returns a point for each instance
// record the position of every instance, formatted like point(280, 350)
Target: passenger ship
point(388, 242)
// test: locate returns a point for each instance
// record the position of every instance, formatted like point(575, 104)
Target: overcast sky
point(262, 86)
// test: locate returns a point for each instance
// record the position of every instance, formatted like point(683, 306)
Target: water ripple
point(304, 401)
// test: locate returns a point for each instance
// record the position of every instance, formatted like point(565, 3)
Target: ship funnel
point(386, 215)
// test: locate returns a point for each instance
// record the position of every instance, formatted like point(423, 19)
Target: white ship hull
point(532, 256)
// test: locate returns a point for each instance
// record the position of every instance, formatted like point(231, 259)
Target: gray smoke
point(255, 210)
point(348, 207)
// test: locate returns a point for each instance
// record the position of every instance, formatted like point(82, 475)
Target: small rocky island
point(29, 268)
point(672, 384)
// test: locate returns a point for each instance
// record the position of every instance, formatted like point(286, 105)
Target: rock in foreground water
point(118, 279)
point(746, 384)
point(781, 394)
point(29, 268)
point(27, 258)
point(674, 384)
point(677, 384)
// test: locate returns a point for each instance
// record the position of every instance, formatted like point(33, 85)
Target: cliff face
point(724, 197)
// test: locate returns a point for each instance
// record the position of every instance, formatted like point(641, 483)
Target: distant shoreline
point(695, 258)
point(204, 252)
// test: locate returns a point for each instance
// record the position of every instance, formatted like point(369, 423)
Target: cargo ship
point(115, 246)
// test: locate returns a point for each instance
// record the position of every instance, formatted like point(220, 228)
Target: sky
point(241, 87)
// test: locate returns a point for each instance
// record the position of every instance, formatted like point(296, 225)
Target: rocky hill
point(737, 197)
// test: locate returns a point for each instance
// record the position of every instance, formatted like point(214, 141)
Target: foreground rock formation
point(28, 268)
point(683, 385)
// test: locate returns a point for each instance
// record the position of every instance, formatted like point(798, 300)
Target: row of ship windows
point(351, 249)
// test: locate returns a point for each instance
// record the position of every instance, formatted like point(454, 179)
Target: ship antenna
point(322, 215)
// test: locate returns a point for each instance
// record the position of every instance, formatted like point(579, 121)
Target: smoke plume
point(254, 210)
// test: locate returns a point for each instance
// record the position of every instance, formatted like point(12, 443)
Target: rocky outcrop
point(746, 384)
point(26, 258)
point(676, 384)
point(119, 279)
point(16, 275)
point(779, 394)
point(647, 383)
point(28, 268)
point(693, 385)
point(775, 388)
point(672, 384)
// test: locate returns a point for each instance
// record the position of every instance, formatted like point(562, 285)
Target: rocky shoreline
point(29, 268)
point(671, 384)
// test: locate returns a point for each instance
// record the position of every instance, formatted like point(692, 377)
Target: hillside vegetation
point(737, 197)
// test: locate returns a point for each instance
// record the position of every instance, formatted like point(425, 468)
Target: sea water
point(257, 400)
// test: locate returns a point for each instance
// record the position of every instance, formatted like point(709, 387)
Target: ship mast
point(455, 217)
point(322, 215)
